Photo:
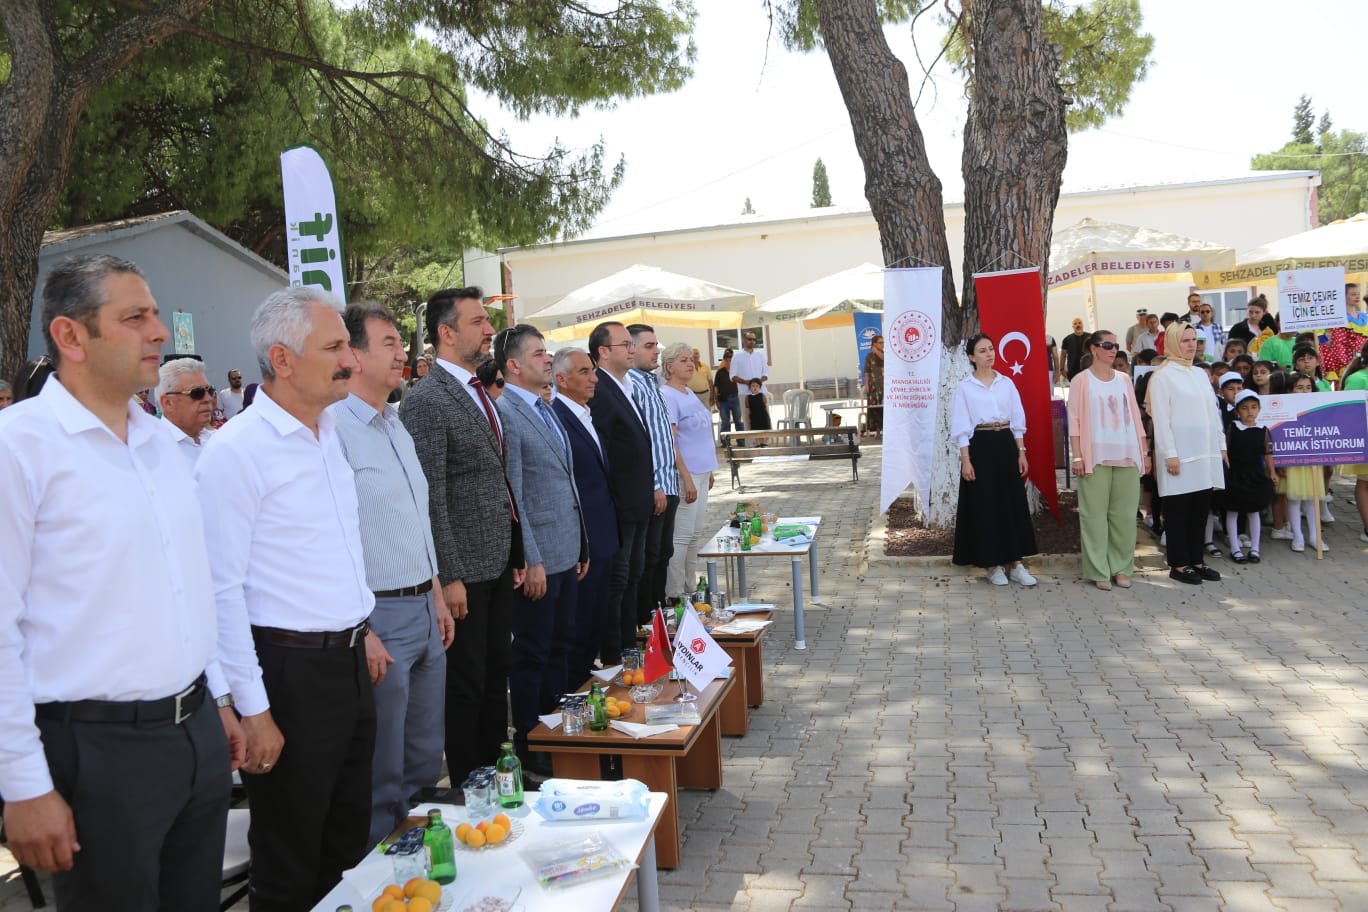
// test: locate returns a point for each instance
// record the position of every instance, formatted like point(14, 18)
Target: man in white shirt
point(749, 365)
point(290, 580)
point(187, 405)
point(230, 400)
point(410, 626)
point(113, 762)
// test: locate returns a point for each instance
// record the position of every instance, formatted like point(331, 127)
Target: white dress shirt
point(586, 419)
point(625, 384)
point(186, 445)
point(281, 515)
point(751, 365)
point(976, 404)
point(465, 376)
point(105, 591)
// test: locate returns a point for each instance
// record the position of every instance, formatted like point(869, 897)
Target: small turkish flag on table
point(1012, 312)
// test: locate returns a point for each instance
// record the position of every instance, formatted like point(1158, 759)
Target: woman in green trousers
point(1109, 456)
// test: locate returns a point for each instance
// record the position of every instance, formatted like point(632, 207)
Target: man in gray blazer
point(460, 444)
point(541, 473)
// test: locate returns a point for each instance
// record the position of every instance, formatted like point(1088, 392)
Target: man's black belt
point(327, 639)
point(421, 589)
point(174, 709)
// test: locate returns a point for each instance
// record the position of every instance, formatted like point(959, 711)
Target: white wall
point(772, 257)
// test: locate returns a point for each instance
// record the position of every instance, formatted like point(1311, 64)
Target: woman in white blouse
point(1189, 453)
point(993, 527)
point(1109, 455)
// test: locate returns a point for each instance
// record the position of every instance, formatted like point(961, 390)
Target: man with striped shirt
point(410, 627)
point(665, 461)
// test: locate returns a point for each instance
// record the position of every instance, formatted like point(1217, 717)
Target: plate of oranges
point(494, 833)
point(417, 895)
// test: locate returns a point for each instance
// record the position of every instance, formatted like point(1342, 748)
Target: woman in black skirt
point(993, 527)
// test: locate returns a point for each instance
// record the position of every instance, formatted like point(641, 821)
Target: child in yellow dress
point(1303, 485)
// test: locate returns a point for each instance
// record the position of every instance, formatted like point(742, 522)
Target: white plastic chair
point(797, 409)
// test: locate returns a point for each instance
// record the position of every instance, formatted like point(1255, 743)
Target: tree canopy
point(821, 186)
point(1341, 158)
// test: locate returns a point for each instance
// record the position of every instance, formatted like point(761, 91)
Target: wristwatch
point(224, 701)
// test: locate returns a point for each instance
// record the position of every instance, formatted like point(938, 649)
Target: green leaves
point(1341, 158)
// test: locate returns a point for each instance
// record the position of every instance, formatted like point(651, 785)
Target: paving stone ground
point(943, 744)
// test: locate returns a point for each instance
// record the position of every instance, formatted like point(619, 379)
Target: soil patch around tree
point(908, 537)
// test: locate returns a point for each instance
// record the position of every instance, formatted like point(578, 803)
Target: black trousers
point(618, 621)
point(151, 807)
point(543, 633)
point(591, 615)
point(1185, 517)
point(659, 550)
point(478, 661)
point(311, 813)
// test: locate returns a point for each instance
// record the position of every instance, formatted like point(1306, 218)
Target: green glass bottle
point(437, 839)
point(508, 774)
point(598, 705)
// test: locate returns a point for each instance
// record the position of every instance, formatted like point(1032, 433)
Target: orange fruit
point(496, 834)
point(431, 890)
point(482, 825)
point(475, 839)
point(420, 904)
point(502, 820)
point(381, 902)
point(392, 905)
point(394, 891)
point(613, 711)
point(411, 888)
point(462, 830)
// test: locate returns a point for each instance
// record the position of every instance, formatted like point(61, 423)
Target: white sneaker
point(1325, 549)
point(1021, 576)
point(1245, 542)
point(1326, 515)
point(1298, 545)
point(997, 577)
point(1281, 533)
point(1163, 538)
point(1363, 536)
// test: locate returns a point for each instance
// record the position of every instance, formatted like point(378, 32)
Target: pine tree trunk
point(904, 193)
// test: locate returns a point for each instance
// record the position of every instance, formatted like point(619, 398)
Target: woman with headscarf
point(1189, 453)
point(874, 386)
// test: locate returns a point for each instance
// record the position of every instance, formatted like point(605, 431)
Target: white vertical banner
point(912, 356)
point(313, 232)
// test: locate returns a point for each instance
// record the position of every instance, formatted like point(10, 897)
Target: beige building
point(769, 256)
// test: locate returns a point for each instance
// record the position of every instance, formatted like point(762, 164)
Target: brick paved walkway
point(947, 745)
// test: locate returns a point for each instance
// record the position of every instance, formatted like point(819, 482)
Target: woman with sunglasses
point(1109, 456)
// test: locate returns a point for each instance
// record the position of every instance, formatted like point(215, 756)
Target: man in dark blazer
point(554, 542)
point(459, 440)
point(623, 433)
point(575, 382)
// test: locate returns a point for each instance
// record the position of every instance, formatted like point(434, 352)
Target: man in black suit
point(459, 440)
point(575, 382)
point(622, 430)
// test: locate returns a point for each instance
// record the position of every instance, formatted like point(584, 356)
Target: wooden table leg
point(755, 676)
point(701, 767)
point(733, 709)
point(658, 773)
point(575, 766)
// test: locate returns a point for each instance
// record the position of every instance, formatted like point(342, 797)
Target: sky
point(754, 118)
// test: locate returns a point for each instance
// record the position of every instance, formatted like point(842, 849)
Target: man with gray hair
point(113, 762)
point(187, 405)
point(410, 627)
point(281, 515)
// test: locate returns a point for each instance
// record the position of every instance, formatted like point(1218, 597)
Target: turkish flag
point(657, 661)
point(1012, 313)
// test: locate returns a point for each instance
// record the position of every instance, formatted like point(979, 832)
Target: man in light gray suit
point(459, 441)
point(541, 473)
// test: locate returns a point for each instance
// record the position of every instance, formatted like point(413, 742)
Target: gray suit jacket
point(541, 473)
point(467, 489)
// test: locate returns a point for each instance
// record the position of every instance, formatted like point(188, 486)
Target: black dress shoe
point(1186, 575)
point(1208, 573)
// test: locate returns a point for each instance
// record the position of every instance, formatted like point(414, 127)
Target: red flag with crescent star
point(1012, 313)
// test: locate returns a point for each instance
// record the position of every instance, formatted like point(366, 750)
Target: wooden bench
point(745, 446)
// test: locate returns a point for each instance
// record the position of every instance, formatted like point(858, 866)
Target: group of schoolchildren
point(1254, 487)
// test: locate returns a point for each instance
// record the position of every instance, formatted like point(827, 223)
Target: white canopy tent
point(1343, 243)
point(1093, 251)
point(644, 294)
point(821, 303)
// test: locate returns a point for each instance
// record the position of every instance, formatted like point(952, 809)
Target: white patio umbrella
point(644, 294)
point(1109, 252)
point(824, 302)
point(1343, 243)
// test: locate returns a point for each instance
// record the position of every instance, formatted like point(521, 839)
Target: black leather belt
point(327, 639)
point(421, 589)
point(174, 710)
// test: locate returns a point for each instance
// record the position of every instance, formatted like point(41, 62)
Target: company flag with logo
point(656, 663)
point(697, 657)
point(1012, 313)
point(313, 234)
point(912, 355)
